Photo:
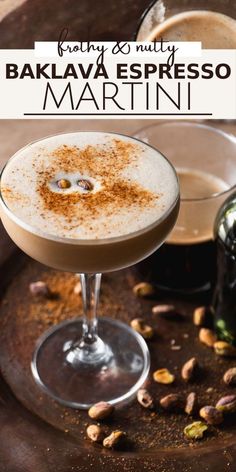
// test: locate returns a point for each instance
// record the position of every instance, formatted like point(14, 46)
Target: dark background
point(97, 20)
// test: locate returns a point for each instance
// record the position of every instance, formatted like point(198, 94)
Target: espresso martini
point(68, 199)
point(89, 202)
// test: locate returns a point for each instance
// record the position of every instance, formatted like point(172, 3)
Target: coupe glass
point(81, 361)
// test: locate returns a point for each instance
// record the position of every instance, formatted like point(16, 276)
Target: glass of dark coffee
point(212, 22)
point(205, 160)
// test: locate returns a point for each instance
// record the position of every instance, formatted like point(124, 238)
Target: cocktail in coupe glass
point(89, 202)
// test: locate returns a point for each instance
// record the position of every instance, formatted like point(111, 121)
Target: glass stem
point(90, 284)
point(90, 348)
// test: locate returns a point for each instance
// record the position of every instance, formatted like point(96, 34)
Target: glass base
point(63, 369)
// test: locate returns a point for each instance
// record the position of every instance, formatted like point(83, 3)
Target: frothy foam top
point(115, 185)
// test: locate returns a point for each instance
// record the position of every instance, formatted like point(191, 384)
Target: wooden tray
point(37, 434)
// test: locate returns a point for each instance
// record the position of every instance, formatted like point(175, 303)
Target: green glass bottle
point(224, 300)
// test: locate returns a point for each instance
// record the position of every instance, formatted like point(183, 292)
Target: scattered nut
point(199, 316)
point(139, 325)
point(211, 415)
point(100, 411)
point(195, 430)
point(168, 312)
point(85, 185)
point(63, 183)
point(39, 288)
point(224, 349)
point(227, 404)
point(144, 398)
point(95, 433)
point(163, 376)
point(191, 403)
point(202, 316)
point(113, 439)
point(143, 289)
point(164, 310)
point(189, 369)
point(77, 289)
point(174, 401)
point(207, 336)
point(230, 376)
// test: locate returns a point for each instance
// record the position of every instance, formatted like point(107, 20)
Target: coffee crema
point(214, 30)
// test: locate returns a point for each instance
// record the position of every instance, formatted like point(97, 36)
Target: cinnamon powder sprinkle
point(102, 163)
point(12, 195)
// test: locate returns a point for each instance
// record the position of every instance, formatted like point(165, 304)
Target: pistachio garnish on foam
point(163, 376)
point(63, 183)
point(85, 185)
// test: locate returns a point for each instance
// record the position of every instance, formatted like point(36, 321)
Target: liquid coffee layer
point(198, 184)
point(202, 194)
point(88, 185)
